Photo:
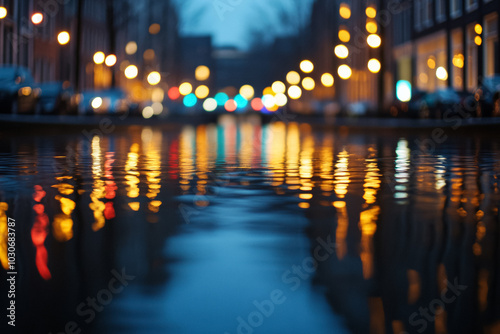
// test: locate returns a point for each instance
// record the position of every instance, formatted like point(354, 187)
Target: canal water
point(243, 227)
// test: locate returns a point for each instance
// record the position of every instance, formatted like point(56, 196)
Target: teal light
point(241, 102)
point(221, 99)
point(190, 100)
point(403, 90)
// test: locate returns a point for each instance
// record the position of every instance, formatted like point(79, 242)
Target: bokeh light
point(154, 29)
point(131, 72)
point(269, 101)
point(157, 95)
point(478, 40)
point(431, 62)
point(173, 93)
point(230, 105)
point(3, 12)
point(281, 99)
point(202, 73)
point(371, 27)
point(441, 73)
point(110, 60)
point(63, 38)
point(148, 112)
point(345, 11)
point(306, 66)
point(403, 90)
point(371, 12)
point(131, 48)
point(96, 103)
point(478, 29)
point(278, 87)
point(210, 104)
point(458, 60)
point(37, 18)
point(374, 40)
point(344, 35)
point(149, 54)
point(247, 92)
point(154, 78)
point(344, 72)
point(241, 102)
point(268, 91)
point(257, 104)
point(185, 88)
point(99, 57)
point(327, 80)
point(190, 100)
point(341, 51)
point(374, 65)
point(308, 83)
point(221, 98)
point(157, 108)
point(293, 78)
point(294, 92)
point(202, 92)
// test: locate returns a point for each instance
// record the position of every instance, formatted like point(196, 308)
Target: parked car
point(18, 91)
point(436, 104)
point(57, 98)
point(489, 96)
point(100, 102)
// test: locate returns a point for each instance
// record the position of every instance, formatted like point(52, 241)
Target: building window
point(440, 10)
point(472, 54)
point(491, 45)
point(427, 13)
point(471, 5)
point(458, 60)
point(456, 8)
point(418, 15)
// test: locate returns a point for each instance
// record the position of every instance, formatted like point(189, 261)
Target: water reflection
point(210, 217)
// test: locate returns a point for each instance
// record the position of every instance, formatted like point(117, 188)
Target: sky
point(242, 23)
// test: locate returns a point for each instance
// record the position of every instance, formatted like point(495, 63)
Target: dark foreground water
point(239, 227)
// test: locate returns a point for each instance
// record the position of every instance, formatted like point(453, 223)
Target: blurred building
point(459, 36)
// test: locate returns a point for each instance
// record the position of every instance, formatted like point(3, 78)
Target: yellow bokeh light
point(131, 72)
point(63, 38)
point(371, 27)
point(344, 36)
point(371, 12)
point(99, 57)
point(131, 48)
point(341, 51)
point(154, 29)
point(3, 12)
point(281, 100)
point(154, 78)
point(431, 62)
point(247, 92)
point(202, 92)
point(441, 73)
point(478, 29)
point(345, 11)
point(374, 40)
point(308, 83)
point(185, 88)
point(268, 91)
point(478, 40)
point(294, 92)
point(110, 60)
point(293, 78)
point(278, 87)
point(458, 60)
point(306, 66)
point(374, 65)
point(37, 18)
point(202, 73)
point(327, 80)
point(344, 72)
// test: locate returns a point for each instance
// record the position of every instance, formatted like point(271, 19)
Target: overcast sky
point(239, 22)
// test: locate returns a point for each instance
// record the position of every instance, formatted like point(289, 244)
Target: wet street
point(243, 227)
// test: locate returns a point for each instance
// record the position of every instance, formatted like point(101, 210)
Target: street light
point(3, 12)
point(99, 58)
point(63, 38)
point(37, 18)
